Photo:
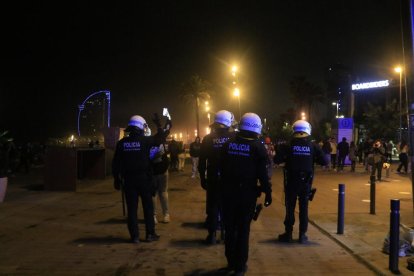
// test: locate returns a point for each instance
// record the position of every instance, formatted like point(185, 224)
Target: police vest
point(300, 156)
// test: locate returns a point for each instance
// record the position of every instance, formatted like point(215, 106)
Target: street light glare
point(234, 69)
point(236, 92)
point(398, 69)
point(333, 103)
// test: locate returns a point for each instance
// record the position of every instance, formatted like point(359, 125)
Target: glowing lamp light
point(236, 92)
point(234, 69)
point(398, 69)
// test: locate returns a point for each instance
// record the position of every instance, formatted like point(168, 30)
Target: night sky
point(55, 55)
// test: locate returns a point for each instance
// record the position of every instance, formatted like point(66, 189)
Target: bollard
point(341, 208)
point(372, 195)
point(394, 235)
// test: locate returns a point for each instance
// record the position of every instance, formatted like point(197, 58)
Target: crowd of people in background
point(374, 155)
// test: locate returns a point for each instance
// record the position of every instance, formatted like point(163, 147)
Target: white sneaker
point(167, 218)
point(155, 220)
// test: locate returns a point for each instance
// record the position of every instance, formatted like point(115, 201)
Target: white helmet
point(138, 122)
point(147, 131)
point(251, 122)
point(224, 117)
point(302, 126)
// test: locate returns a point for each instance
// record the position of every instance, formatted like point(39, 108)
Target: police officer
point(209, 171)
point(131, 165)
point(243, 162)
point(299, 157)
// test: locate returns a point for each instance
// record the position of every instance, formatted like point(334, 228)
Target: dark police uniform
point(209, 160)
point(132, 164)
point(299, 157)
point(243, 162)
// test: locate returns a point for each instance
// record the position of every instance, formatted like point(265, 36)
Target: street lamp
point(236, 93)
point(399, 70)
point(234, 69)
point(337, 108)
point(303, 116)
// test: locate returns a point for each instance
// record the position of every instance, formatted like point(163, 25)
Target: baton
point(123, 200)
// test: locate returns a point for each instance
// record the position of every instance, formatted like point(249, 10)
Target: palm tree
point(380, 121)
point(193, 91)
point(306, 95)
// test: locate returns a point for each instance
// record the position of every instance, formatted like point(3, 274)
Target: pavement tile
point(84, 232)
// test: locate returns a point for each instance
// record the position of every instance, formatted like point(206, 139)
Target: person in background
point(379, 156)
point(333, 144)
point(270, 150)
point(181, 156)
point(195, 155)
point(390, 147)
point(343, 151)
point(353, 152)
point(367, 149)
point(403, 157)
point(326, 149)
point(160, 163)
point(174, 150)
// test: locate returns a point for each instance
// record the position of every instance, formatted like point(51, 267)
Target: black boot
point(285, 237)
point(135, 240)
point(303, 238)
point(152, 237)
point(211, 238)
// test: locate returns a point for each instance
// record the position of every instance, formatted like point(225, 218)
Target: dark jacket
point(195, 149)
point(132, 154)
point(210, 152)
point(243, 162)
point(326, 147)
point(300, 156)
point(343, 148)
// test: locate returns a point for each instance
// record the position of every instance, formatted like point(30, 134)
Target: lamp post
point(399, 70)
point(337, 109)
point(236, 93)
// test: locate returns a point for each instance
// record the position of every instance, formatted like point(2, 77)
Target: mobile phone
point(166, 113)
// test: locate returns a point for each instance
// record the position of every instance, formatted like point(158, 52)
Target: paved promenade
point(84, 232)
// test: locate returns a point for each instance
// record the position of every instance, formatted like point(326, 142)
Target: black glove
point(203, 183)
point(117, 183)
point(156, 120)
point(268, 199)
